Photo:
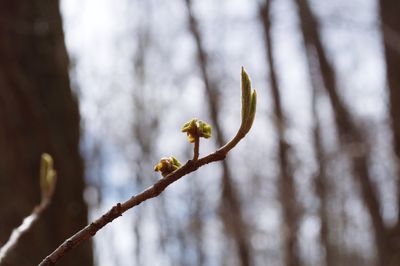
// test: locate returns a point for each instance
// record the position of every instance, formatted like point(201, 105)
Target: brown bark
point(390, 25)
point(286, 185)
point(231, 211)
point(38, 113)
point(390, 29)
point(349, 133)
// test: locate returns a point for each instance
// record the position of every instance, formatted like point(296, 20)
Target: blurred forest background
point(105, 86)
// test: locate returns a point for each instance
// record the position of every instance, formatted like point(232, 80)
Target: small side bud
point(197, 129)
point(167, 165)
point(204, 129)
point(48, 176)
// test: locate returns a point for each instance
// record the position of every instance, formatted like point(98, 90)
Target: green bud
point(249, 104)
point(189, 125)
point(197, 129)
point(167, 165)
point(252, 113)
point(47, 175)
point(246, 95)
point(175, 163)
point(204, 129)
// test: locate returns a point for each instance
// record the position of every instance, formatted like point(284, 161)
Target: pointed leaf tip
point(246, 95)
point(253, 107)
point(47, 176)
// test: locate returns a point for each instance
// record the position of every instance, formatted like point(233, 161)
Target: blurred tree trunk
point(145, 129)
point(38, 113)
point(350, 135)
point(286, 185)
point(390, 25)
point(321, 184)
point(230, 210)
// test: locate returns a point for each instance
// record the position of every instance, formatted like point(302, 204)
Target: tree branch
point(47, 185)
point(118, 209)
point(18, 232)
point(248, 114)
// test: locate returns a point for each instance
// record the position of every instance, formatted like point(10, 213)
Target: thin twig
point(196, 148)
point(18, 232)
point(118, 209)
point(48, 182)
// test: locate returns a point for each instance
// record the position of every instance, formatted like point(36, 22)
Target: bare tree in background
point(141, 131)
point(286, 186)
point(38, 113)
point(230, 209)
point(350, 135)
point(145, 129)
point(321, 183)
point(390, 25)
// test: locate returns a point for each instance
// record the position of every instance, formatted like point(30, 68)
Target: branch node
point(69, 244)
point(93, 228)
point(118, 209)
point(48, 261)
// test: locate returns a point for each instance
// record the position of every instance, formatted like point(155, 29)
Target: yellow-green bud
point(167, 165)
point(197, 129)
point(47, 175)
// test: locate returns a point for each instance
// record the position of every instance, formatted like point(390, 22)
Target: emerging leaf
point(197, 129)
point(47, 176)
point(246, 95)
point(167, 165)
point(252, 113)
point(249, 105)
